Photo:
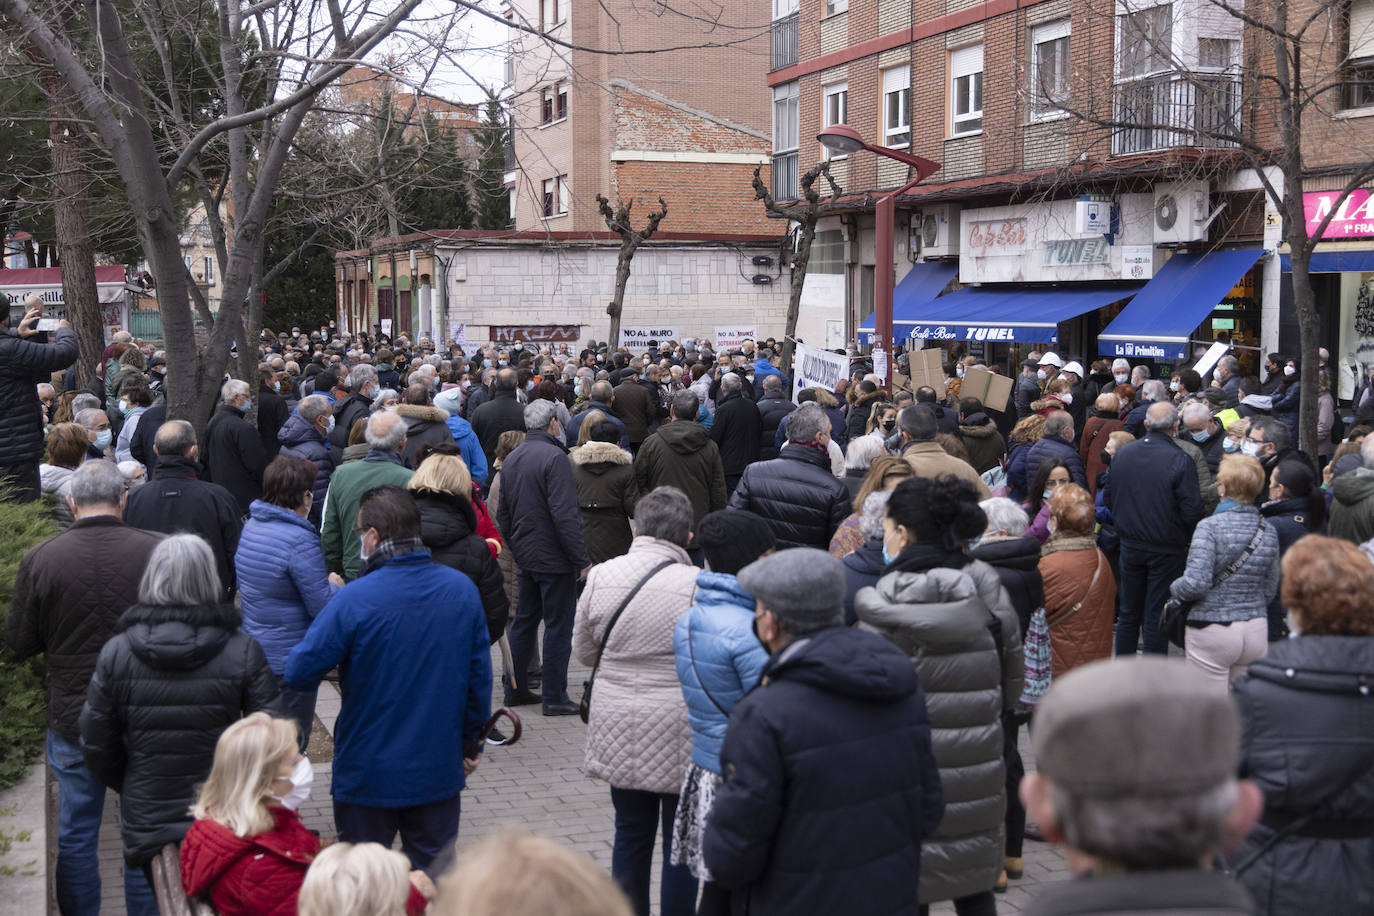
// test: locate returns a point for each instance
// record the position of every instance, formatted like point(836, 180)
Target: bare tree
point(806, 212)
point(618, 221)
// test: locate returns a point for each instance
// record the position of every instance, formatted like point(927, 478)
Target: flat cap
point(1136, 727)
point(803, 586)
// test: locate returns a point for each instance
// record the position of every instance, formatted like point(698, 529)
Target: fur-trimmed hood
point(415, 413)
point(599, 453)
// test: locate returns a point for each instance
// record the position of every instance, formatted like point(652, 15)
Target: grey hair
point(602, 392)
point(730, 383)
point(1146, 833)
point(1058, 423)
point(1120, 363)
point(313, 407)
point(871, 517)
point(539, 414)
point(181, 572)
point(84, 401)
point(806, 421)
point(381, 397)
point(862, 451)
point(1005, 515)
point(1195, 409)
point(175, 437)
point(232, 389)
point(1154, 390)
point(360, 375)
point(1139, 375)
point(1161, 417)
point(664, 513)
point(1230, 364)
point(97, 483)
point(385, 431)
point(88, 416)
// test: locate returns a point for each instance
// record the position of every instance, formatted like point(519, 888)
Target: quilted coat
point(1218, 541)
point(448, 527)
point(797, 495)
point(637, 736)
point(301, 440)
point(22, 363)
point(1067, 566)
point(1058, 449)
point(717, 653)
point(1303, 744)
point(166, 685)
point(1017, 562)
point(282, 579)
point(606, 497)
point(940, 617)
point(257, 875)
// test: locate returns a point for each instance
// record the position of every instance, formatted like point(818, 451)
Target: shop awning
point(1335, 262)
point(1159, 320)
point(924, 282)
point(1012, 313)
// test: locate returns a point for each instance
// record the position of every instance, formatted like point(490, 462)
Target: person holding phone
point(27, 356)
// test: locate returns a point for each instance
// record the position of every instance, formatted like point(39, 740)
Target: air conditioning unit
point(935, 231)
point(1180, 211)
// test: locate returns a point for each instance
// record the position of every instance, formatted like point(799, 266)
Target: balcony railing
point(784, 42)
point(1176, 110)
point(785, 176)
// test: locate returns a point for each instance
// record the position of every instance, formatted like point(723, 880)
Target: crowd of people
point(817, 621)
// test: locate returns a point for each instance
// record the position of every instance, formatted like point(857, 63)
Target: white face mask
point(1249, 449)
point(302, 777)
point(1067, 397)
point(1040, 374)
point(1289, 370)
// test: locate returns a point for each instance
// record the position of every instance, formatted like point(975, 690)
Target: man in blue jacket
point(416, 679)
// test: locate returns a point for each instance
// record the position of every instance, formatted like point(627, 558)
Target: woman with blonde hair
point(363, 879)
point(883, 474)
point(1023, 436)
point(553, 879)
point(67, 447)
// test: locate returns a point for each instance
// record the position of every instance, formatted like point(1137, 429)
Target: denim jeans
point(552, 599)
point(427, 831)
point(80, 806)
point(300, 704)
point(1145, 580)
point(639, 817)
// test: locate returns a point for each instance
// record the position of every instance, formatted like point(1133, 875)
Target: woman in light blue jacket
point(281, 573)
point(719, 660)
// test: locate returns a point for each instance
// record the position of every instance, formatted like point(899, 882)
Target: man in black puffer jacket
point(735, 430)
point(830, 782)
point(773, 409)
point(796, 493)
point(24, 362)
point(1056, 442)
point(448, 527)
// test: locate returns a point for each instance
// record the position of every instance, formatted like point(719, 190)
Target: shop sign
point(1072, 252)
point(1145, 349)
point(993, 333)
point(1137, 262)
point(535, 333)
point(1354, 218)
point(995, 238)
point(1093, 214)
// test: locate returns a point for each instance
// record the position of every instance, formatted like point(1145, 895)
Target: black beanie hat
point(734, 538)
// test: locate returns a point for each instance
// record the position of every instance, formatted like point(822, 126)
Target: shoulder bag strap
point(1239, 561)
point(1097, 573)
point(605, 637)
point(692, 655)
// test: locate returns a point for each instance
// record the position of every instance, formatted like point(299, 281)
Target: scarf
point(811, 444)
point(922, 557)
point(391, 549)
point(1058, 542)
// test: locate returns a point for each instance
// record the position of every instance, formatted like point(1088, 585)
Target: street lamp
point(843, 139)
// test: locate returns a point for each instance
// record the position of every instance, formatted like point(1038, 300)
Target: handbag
point(1039, 661)
point(584, 708)
point(1173, 619)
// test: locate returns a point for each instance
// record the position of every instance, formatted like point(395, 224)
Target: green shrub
point(22, 698)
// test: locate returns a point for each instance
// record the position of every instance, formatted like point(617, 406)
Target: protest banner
point(732, 338)
point(817, 368)
point(640, 336)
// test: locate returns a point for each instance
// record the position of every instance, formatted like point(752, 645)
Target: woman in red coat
point(247, 852)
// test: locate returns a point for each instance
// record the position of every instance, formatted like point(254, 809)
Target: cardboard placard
point(927, 368)
point(989, 387)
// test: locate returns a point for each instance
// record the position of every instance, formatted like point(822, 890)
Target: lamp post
point(841, 138)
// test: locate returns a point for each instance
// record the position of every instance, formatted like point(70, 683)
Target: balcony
point(784, 32)
point(785, 176)
point(1174, 110)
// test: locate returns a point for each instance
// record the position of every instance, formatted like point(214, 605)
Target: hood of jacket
point(218, 849)
point(52, 477)
point(296, 431)
point(978, 425)
point(933, 604)
point(261, 511)
point(845, 661)
point(864, 401)
point(599, 457)
point(445, 518)
point(1353, 488)
point(1019, 553)
point(1319, 664)
point(1262, 402)
point(722, 589)
point(684, 436)
point(764, 367)
point(177, 638)
point(418, 414)
point(450, 400)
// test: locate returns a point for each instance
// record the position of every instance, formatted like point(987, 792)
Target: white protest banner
point(733, 338)
point(1211, 357)
point(818, 369)
point(640, 336)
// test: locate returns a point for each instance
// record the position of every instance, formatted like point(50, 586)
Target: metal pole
point(884, 215)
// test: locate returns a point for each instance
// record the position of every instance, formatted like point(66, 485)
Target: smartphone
point(48, 324)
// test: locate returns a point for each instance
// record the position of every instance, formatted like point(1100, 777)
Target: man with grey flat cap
point(1136, 775)
point(830, 783)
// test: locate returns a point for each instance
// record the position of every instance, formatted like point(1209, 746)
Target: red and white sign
point(1354, 218)
point(46, 284)
point(997, 237)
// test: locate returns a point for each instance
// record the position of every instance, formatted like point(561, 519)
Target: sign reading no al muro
point(1354, 218)
point(995, 237)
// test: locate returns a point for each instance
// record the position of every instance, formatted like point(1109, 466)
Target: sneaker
point(495, 738)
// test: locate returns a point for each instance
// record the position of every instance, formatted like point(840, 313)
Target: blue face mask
point(247, 406)
point(486, 364)
point(1229, 446)
point(1047, 494)
point(887, 557)
point(102, 439)
point(1201, 436)
point(1122, 378)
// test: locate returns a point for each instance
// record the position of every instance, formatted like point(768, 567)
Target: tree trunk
point(806, 235)
point(617, 304)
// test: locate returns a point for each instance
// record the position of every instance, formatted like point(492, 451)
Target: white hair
point(1193, 410)
point(871, 516)
point(1152, 833)
point(355, 879)
point(1120, 363)
point(1004, 515)
point(181, 572)
point(232, 389)
point(862, 451)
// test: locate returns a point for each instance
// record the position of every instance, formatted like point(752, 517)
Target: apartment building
point(1095, 193)
point(671, 116)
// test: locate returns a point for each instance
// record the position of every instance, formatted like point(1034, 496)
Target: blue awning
point(1012, 313)
point(925, 281)
point(1335, 262)
point(1162, 316)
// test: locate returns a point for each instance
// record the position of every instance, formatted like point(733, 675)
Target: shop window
point(966, 90)
point(834, 110)
point(897, 107)
point(1049, 69)
point(1359, 67)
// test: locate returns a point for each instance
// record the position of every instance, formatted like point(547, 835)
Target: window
point(553, 103)
point(827, 253)
point(1216, 53)
point(1360, 54)
point(1145, 42)
point(546, 105)
point(1049, 69)
point(555, 196)
point(897, 106)
point(561, 106)
point(966, 90)
point(785, 141)
point(209, 271)
point(784, 8)
point(510, 202)
point(834, 109)
point(835, 6)
point(550, 14)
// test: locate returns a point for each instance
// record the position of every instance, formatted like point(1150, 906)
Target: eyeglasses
point(1253, 441)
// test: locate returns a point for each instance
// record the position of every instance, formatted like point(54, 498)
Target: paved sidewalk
point(538, 785)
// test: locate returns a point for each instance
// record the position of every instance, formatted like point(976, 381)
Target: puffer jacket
point(23, 363)
point(461, 430)
point(681, 454)
point(1059, 450)
point(1352, 506)
point(1017, 561)
point(166, 685)
point(637, 736)
point(983, 442)
point(56, 484)
point(424, 426)
point(859, 411)
point(258, 875)
point(719, 660)
point(347, 411)
point(941, 618)
point(448, 527)
point(301, 440)
point(282, 579)
point(1219, 541)
point(773, 409)
point(796, 493)
point(1075, 572)
point(1301, 746)
point(606, 497)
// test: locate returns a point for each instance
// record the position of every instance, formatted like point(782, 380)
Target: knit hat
point(734, 538)
point(450, 399)
point(803, 586)
point(1144, 728)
